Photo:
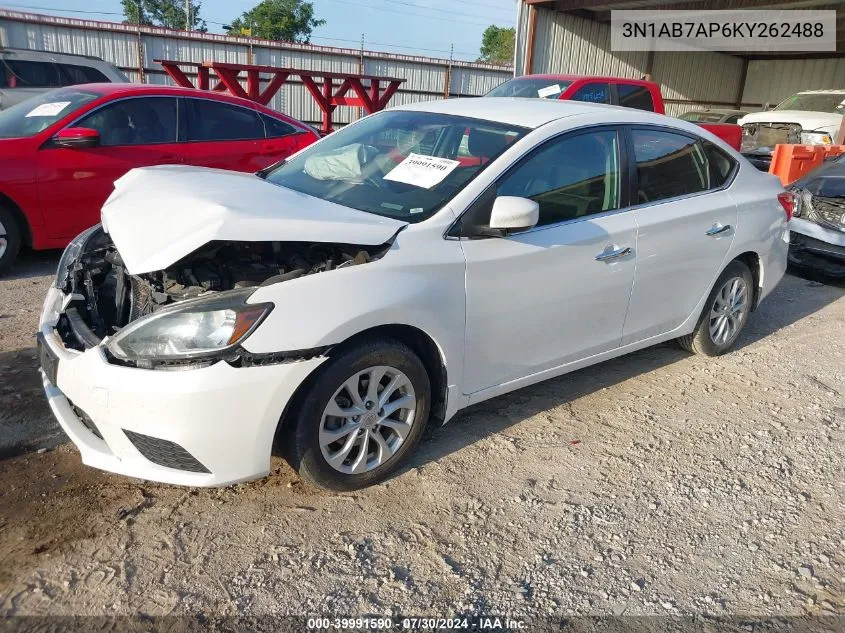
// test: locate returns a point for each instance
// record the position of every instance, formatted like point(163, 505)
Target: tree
point(497, 45)
point(167, 13)
point(287, 20)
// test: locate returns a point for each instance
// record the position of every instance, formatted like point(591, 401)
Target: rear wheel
point(10, 239)
point(725, 313)
point(362, 416)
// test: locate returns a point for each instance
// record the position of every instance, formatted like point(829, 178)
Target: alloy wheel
point(729, 310)
point(367, 420)
point(4, 241)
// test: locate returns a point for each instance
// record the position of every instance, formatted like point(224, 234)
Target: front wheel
point(10, 239)
point(725, 313)
point(362, 417)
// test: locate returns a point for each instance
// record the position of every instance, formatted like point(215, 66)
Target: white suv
point(25, 73)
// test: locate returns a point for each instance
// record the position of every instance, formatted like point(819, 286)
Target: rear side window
point(218, 121)
point(668, 165)
point(138, 121)
point(637, 97)
point(593, 93)
point(721, 165)
point(18, 73)
point(274, 128)
point(73, 74)
point(569, 178)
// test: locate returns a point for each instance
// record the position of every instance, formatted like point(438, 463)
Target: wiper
point(263, 173)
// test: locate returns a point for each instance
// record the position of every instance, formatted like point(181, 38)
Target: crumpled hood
point(158, 215)
point(808, 121)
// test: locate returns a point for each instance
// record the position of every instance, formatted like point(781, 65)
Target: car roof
point(569, 77)
point(127, 89)
point(519, 111)
point(32, 54)
point(824, 91)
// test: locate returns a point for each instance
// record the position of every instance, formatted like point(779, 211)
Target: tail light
point(787, 201)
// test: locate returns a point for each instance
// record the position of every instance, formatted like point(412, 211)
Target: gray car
point(25, 73)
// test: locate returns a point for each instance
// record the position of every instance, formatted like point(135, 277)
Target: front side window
point(218, 121)
point(637, 97)
point(531, 87)
point(403, 165)
point(139, 121)
point(593, 92)
point(36, 114)
point(19, 73)
point(668, 165)
point(569, 178)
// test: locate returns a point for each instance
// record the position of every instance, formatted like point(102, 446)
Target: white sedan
point(412, 264)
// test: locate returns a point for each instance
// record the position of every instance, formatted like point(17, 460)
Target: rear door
point(73, 184)
point(226, 136)
point(686, 222)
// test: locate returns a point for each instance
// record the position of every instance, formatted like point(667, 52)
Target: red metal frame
point(319, 84)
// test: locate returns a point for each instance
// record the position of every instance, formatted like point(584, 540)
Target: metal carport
point(573, 36)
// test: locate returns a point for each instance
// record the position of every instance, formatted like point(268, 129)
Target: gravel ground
point(659, 483)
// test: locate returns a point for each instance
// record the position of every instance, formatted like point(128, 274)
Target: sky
point(415, 27)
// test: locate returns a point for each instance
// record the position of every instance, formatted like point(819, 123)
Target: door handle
point(609, 256)
point(717, 229)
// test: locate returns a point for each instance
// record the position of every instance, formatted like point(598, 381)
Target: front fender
point(416, 283)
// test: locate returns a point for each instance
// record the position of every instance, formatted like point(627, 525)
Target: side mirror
point(511, 213)
point(76, 138)
point(767, 106)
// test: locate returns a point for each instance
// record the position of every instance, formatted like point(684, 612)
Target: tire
point(707, 338)
point(10, 239)
point(318, 438)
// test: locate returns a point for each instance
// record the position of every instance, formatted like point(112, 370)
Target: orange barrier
point(791, 162)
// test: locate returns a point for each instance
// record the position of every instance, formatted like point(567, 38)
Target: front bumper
point(817, 248)
point(223, 417)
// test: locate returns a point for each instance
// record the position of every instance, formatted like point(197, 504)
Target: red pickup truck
point(631, 93)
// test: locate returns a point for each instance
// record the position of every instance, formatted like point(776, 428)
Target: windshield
point(832, 102)
point(403, 165)
point(36, 114)
point(545, 88)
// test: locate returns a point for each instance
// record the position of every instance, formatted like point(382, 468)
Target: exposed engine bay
point(105, 297)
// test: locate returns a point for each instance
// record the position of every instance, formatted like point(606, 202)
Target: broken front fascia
point(817, 232)
point(193, 313)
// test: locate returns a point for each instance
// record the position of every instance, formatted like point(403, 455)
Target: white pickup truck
point(810, 118)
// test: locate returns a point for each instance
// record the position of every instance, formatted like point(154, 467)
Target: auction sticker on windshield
point(548, 91)
point(422, 171)
point(49, 109)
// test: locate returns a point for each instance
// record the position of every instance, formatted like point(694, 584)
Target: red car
point(629, 93)
point(61, 152)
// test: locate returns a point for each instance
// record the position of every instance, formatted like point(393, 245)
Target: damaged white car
point(416, 262)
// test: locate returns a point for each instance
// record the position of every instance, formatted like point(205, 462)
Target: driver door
point(74, 183)
point(559, 292)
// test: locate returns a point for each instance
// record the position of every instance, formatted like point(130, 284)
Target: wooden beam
point(529, 52)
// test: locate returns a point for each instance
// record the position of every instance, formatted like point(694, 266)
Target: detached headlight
point(815, 138)
point(803, 203)
point(76, 247)
point(203, 328)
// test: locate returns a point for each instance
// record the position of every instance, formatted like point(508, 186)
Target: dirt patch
point(659, 483)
